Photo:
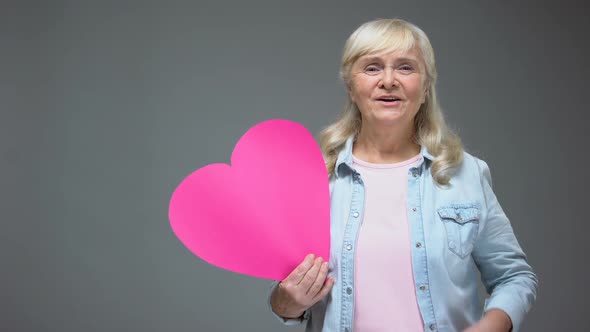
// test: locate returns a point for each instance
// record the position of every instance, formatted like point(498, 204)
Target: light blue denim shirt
point(456, 233)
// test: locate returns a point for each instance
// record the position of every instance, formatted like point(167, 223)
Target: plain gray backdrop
point(107, 105)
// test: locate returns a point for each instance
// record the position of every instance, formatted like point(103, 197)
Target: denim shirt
point(457, 233)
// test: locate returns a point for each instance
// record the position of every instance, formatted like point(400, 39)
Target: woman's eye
point(372, 70)
point(406, 68)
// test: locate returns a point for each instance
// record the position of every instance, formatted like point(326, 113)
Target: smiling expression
point(388, 87)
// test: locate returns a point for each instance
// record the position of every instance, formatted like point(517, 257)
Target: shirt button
point(414, 209)
point(356, 214)
point(432, 327)
point(418, 245)
point(415, 174)
point(349, 290)
point(422, 288)
point(349, 247)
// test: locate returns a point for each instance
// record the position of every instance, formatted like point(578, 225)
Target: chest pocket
point(461, 224)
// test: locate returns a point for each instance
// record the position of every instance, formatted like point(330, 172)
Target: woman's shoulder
point(472, 167)
point(469, 159)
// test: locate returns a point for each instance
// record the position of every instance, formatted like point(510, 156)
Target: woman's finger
point(319, 280)
point(299, 272)
point(311, 275)
point(326, 288)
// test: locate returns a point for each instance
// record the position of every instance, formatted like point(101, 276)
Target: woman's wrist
point(287, 314)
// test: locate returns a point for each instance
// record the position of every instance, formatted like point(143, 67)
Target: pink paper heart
point(263, 214)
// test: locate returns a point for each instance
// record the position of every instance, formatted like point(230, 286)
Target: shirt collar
point(345, 155)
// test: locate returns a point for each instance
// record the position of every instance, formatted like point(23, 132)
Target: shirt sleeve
point(285, 321)
point(505, 272)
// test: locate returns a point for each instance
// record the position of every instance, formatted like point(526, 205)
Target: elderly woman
point(414, 220)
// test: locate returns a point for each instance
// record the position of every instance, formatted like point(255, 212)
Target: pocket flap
point(459, 214)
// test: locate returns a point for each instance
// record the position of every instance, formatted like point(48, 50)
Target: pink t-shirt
point(385, 296)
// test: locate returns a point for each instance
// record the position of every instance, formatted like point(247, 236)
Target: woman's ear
point(424, 96)
point(426, 87)
point(349, 91)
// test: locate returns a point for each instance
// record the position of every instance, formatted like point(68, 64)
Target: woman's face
point(388, 87)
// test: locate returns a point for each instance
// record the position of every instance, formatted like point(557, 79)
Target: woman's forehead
point(410, 54)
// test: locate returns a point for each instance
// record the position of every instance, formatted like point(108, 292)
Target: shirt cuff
point(506, 302)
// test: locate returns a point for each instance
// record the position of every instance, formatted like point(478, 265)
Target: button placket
point(419, 251)
point(355, 215)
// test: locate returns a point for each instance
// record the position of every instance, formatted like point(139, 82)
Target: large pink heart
point(264, 213)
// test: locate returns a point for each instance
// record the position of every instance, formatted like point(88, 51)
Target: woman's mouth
point(389, 101)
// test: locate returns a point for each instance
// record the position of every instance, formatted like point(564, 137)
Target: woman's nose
point(388, 79)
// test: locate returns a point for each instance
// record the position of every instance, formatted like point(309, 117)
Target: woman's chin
point(389, 118)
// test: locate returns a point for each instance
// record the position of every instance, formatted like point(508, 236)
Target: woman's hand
point(305, 286)
point(495, 320)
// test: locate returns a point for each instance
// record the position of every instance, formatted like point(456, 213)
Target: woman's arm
point(508, 277)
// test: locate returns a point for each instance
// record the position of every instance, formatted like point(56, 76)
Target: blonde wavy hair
point(431, 129)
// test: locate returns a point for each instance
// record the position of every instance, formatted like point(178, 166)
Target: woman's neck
point(385, 145)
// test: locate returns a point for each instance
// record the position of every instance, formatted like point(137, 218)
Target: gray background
point(107, 106)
